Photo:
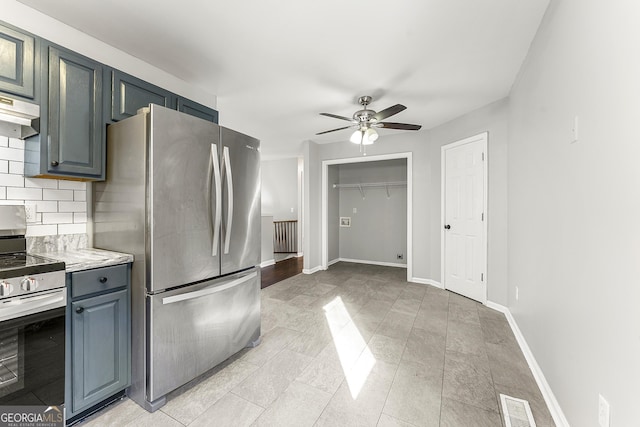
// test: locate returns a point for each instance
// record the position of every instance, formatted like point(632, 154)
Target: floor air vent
point(517, 412)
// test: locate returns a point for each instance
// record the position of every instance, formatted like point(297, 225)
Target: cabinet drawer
point(98, 280)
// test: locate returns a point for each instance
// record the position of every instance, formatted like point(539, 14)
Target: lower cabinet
point(98, 332)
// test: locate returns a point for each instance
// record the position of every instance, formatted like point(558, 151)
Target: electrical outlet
point(30, 211)
point(291, 210)
point(603, 411)
point(400, 256)
point(355, 210)
point(517, 294)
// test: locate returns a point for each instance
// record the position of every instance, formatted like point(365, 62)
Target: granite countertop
point(88, 258)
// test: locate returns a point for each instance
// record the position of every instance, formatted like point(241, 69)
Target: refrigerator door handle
point(218, 187)
point(227, 162)
point(209, 291)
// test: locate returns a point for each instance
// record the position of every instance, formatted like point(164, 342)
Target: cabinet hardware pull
point(79, 310)
point(103, 280)
point(54, 163)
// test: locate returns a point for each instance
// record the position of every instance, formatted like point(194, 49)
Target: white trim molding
point(429, 282)
point(549, 398)
point(313, 270)
point(325, 207)
point(267, 263)
point(333, 261)
point(364, 261)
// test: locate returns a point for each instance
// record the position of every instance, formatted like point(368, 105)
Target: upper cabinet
point(71, 142)
point(128, 94)
point(194, 109)
point(17, 63)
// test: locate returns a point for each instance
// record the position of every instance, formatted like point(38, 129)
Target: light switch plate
point(603, 411)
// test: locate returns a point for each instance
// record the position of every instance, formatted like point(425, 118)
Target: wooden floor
point(280, 271)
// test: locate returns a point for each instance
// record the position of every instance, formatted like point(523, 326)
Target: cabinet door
point(17, 59)
point(100, 347)
point(198, 110)
point(129, 94)
point(76, 132)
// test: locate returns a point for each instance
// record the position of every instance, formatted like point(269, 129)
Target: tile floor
point(357, 345)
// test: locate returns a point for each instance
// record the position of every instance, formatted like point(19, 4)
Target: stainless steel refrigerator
point(183, 196)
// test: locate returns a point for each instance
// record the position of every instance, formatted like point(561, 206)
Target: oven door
point(32, 332)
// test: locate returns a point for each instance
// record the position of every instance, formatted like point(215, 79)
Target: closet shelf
point(363, 185)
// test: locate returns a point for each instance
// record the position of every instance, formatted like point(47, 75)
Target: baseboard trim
point(267, 263)
point(333, 261)
point(549, 398)
point(429, 282)
point(312, 270)
point(299, 254)
point(362, 261)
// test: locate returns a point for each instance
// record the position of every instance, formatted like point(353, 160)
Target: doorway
point(464, 217)
point(325, 204)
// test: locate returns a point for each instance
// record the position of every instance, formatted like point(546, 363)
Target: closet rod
point(372, 184)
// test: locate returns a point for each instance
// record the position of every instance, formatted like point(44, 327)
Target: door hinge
point(483, 157)
point(482, 216)
point(482, 277)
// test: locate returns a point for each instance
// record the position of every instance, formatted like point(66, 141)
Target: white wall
point(60, 205)
point(44, 26)
point(378, 229)
point(491, 118)
point(280, 188)
point(574, 208)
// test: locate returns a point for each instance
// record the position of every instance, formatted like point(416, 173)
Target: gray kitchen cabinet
point(129, 94)
point(193, 108)
point(98, 336)
point(18, 62)
point(72, 138)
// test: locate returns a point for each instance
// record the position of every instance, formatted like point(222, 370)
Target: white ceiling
point(275, 64)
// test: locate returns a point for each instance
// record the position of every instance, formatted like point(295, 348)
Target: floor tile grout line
point(444, 361)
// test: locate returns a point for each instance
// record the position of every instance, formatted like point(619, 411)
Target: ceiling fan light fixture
point(356, 137)
point(370, 136)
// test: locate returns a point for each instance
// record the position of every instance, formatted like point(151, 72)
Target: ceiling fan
point(366, 121)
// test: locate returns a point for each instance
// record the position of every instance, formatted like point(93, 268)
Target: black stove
point(23, 264)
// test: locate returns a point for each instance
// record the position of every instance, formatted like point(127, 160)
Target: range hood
point(18, 119)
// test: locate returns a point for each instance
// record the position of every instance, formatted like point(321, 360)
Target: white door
point(464, 200)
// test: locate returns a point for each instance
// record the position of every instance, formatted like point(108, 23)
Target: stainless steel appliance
point(183, 195)
point(18, 119)
point(32, 319)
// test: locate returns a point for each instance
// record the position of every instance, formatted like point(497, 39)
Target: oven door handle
point(18, 307)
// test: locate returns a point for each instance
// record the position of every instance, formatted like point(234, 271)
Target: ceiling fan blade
point(335, 116)
point(388, 112)
point(333, 130)
point(403, 126)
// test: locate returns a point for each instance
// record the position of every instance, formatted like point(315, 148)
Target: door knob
point(447, 227)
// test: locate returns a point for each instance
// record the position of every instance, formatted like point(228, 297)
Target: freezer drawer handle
point(227, 162)
point(209, 291)
point(217, 218)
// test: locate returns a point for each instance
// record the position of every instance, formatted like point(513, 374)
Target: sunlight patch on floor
point(350, 346)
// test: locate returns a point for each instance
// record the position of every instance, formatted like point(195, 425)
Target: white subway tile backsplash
point(8, 180)
point(80, 196)
point(72, 185)
point(12, 154)
point(16, 193)
point(48, 194)
point(72, 206)
point(41, 230)
point(57, 218)
point(41, 183)
point(16, 167)
point(46, 206)
point(72, 229)
point(16, 143)
point(61, 206)
point(79, 217)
